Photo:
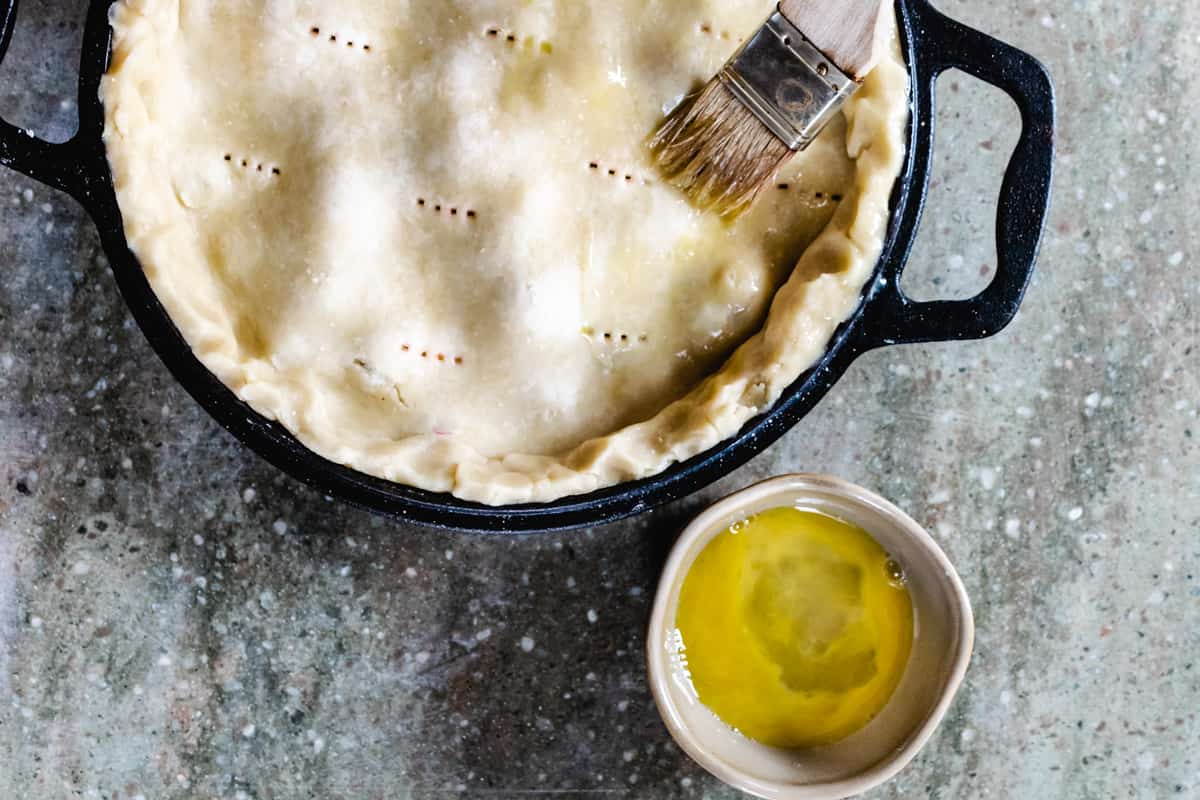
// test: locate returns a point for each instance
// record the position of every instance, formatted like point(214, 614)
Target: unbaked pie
point(426, 236)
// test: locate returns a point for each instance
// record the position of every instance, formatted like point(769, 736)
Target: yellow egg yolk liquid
point(797, 627)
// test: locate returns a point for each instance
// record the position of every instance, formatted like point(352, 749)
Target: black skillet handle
point(944, 44)
point(62, 166)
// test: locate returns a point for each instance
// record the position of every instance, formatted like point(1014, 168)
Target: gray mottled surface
point(178, 620)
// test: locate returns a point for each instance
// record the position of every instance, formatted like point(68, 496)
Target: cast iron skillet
point(933, 44)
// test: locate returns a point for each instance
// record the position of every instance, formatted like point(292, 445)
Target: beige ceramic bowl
point(944, 635)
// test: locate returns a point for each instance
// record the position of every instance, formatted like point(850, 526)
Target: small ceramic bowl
point(944, 635)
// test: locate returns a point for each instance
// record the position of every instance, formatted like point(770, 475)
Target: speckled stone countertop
point(178, 620)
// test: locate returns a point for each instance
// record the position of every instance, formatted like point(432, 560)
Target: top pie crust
point(426, 236)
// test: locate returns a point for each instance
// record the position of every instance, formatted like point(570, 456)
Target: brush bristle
point(715, 150)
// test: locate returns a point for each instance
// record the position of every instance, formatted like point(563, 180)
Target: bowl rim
point(707, 525)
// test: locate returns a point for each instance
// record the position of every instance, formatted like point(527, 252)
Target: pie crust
point(427, 238)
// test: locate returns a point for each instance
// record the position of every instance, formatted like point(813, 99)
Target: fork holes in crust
point(613, 172)
point(511, 39)
point(707, 29)
point(615, 338)
point(316, 32)
point(820, 196)
point(258, 167)
point(453, 211)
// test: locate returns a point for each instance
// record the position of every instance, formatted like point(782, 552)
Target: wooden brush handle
point(846, 31)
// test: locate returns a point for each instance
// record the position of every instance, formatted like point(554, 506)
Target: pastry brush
point(771, 100)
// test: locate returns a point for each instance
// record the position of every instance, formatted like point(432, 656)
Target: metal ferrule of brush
point(785, 81)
